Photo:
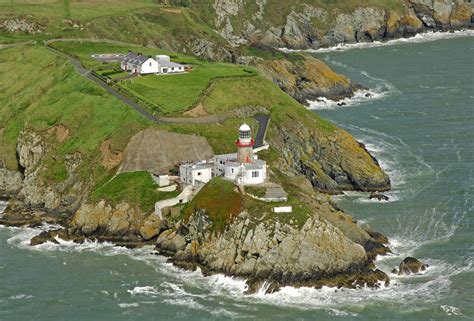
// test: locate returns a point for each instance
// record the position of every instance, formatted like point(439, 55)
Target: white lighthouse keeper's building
point(244, 167)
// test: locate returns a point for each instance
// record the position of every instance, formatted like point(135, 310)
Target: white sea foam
point(450, 310)
point(128, 305)
point(21, 296)
point(144, 290)
point(3, 206)
point(360, 96)
point(381, 88)
point(418, 38)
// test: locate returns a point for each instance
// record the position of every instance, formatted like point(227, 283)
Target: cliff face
point(35, 152)
point(331, 159)
point(325, 248)
point(306, 78)
point(313, 24)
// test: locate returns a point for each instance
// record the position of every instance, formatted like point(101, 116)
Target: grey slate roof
point(134, 59)
point(169, 64)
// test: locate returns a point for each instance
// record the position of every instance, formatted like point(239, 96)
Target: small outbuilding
point(195, 174)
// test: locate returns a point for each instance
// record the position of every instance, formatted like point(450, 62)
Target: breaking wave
point(418, 38)
point(380, 88)
point(196, 292)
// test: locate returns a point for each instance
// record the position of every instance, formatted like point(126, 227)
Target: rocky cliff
point(306, 78)
point(315, 24)
point(330, 158)
point(263, 246)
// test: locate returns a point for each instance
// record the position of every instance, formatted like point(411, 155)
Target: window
point(199, 173)
point(245, 134)
point(150, 63)
point(232, 171)
point(255, 174)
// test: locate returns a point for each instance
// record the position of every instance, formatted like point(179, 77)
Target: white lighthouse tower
point(243, 167)
point(245, 145)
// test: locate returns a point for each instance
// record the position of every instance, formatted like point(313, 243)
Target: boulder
point(411, 265)
point(378, 196)
point(152, 227)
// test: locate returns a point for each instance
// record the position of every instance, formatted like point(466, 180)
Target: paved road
point(263, 121)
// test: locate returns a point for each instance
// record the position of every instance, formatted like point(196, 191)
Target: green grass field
point(172, 93)
point(45, 91)
point(71, 9)
point(135, 188)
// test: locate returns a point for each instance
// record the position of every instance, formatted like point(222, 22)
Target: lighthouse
point(245, 145)
point(243, 167)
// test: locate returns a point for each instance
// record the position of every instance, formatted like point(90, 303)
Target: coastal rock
point(411, 265)
point(17, 213)
point(10, 181)
point(331, 160)
point(307, 79)
point(311, 26)
point(378, 196)
point(206, 49)
point(106, 220)
point(152, 227)
point(362, 25)
point(313, 254)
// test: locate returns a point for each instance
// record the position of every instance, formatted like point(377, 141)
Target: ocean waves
point(379, 88)
point(418, 38)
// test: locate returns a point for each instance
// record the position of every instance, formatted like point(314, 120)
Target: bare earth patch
point(197, 111)
point(60, 131)
point(110, 158)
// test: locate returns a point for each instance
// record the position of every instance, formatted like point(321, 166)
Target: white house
point(139, 64)
point(195, 174)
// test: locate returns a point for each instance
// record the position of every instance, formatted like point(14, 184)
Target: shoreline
point(422, 37)
point(53, 229)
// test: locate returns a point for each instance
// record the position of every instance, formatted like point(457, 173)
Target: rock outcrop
point(411, 265)
point(304, 25)
point(10, 182)
point(35, 157)
point(20, 25)
point(332, 160)
point(306, 78)
point(120, 223)
point(315, 253)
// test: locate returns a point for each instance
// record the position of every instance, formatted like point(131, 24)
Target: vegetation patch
point(135, 188)
point(181, 91)
point(219, 200)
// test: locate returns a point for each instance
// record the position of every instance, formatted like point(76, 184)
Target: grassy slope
point(220, 200)
point(171, 93)
point(138, 21)
point(40, 89)
point(136, 188)
point(180, 92)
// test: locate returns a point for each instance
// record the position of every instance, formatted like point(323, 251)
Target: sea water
point(418, 122)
